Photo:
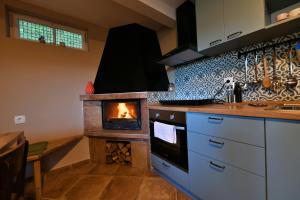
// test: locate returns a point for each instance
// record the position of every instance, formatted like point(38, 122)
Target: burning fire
point(123, 111)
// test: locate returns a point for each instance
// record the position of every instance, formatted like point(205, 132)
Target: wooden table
point(9, 139)
point(53, 146)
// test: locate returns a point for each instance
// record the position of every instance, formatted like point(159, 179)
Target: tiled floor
point(106, 182)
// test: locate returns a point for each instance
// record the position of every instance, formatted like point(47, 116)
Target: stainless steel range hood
point(186, 36)
point(180, 56)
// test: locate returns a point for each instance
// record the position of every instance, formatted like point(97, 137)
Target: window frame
point(15, 29)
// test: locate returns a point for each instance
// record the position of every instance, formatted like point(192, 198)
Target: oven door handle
point(181, 128)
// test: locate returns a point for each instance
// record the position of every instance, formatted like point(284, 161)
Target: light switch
point(20, 119)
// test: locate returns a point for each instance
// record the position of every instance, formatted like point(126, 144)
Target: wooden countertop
point(240, 109)
point(8, 139)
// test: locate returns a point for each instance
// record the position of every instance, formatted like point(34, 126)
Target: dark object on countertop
point(128, 63)
point(258, 104)
point(198, 102)
point(237, 91)
point(187, 37)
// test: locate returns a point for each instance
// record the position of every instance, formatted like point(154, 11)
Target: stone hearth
point(99, 137)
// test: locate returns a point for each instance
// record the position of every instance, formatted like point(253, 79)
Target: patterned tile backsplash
point(202, 79)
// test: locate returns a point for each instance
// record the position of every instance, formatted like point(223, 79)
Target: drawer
point(248, 157)
point(169, 170)
point(242, 129)
point(210, 182)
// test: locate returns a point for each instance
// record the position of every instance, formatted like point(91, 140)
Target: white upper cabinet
point(219, 21)
point(242, 17)
point(210, 23)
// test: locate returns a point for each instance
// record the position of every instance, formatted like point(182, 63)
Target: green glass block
point(33, 31)
point(70, 39)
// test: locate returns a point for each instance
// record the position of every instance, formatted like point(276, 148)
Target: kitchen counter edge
point(239, 109)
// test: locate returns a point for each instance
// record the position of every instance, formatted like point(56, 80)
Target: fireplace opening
point(118, 152)
point(121, 114)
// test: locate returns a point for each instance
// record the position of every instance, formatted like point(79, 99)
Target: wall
point(168, 41)
point(44, 82)
point(202, 79)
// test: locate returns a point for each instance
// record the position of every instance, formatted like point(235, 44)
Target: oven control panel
point(165, 115)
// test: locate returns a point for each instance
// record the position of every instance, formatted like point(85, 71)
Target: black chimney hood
point(128, 63)
point(186, 37)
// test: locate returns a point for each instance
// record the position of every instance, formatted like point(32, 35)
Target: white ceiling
point(105, 13)
point(174, 3)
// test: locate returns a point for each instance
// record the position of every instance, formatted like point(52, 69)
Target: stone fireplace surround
point(139, 139)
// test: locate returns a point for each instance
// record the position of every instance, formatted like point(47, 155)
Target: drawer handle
point(234, 35)
point(216, 142)
point(215, 120)
point(165, 165)
point(213, 43)
point(214, 165)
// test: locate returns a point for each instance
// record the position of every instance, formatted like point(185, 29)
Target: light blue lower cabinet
point(244, 156)
point(283, 159)
point(249, 130)
point(174, 174)
point(214, 180)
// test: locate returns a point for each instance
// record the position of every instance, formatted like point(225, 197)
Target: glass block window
point(38, 30)
point(33, 31)
point(69, 39)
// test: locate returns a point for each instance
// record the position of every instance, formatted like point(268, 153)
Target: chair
point(12, 171)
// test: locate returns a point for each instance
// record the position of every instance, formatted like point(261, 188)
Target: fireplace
point(121, 114)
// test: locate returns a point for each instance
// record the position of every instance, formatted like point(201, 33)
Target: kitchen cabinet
point(221, 20)
point(210, 23)
point(242, 17)
point(226, 156)
point(215, 180)
point(248, 157)
point(238, 157)
point(228, 127)
point(168, 170)
point(283, 159)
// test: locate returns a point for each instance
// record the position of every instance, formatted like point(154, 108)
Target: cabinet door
point(172, 172)
point(242, 17)
point(210, 25)
point(249, 130)
point(244, 156)
point(213, 180)
point(283, 159)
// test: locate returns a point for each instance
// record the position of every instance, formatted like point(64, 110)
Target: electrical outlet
point(230, 79)
point(20, 119)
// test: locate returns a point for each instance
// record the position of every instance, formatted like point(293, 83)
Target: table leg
point(37, 179)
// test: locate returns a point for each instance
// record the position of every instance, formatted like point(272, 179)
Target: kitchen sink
point(286, 107)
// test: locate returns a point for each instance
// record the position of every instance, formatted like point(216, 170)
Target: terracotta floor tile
point(182, 196)
point(129, 171)
point(88, 188)
point(156, 189)
point(105, 182)
point(104, 169)
point(149, 173)
point(56, 185)
point(122, 188)
point(83, 168)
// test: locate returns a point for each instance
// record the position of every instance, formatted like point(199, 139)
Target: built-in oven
point(175, 153)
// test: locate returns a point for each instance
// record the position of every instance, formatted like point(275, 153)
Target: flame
point(123, 111)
